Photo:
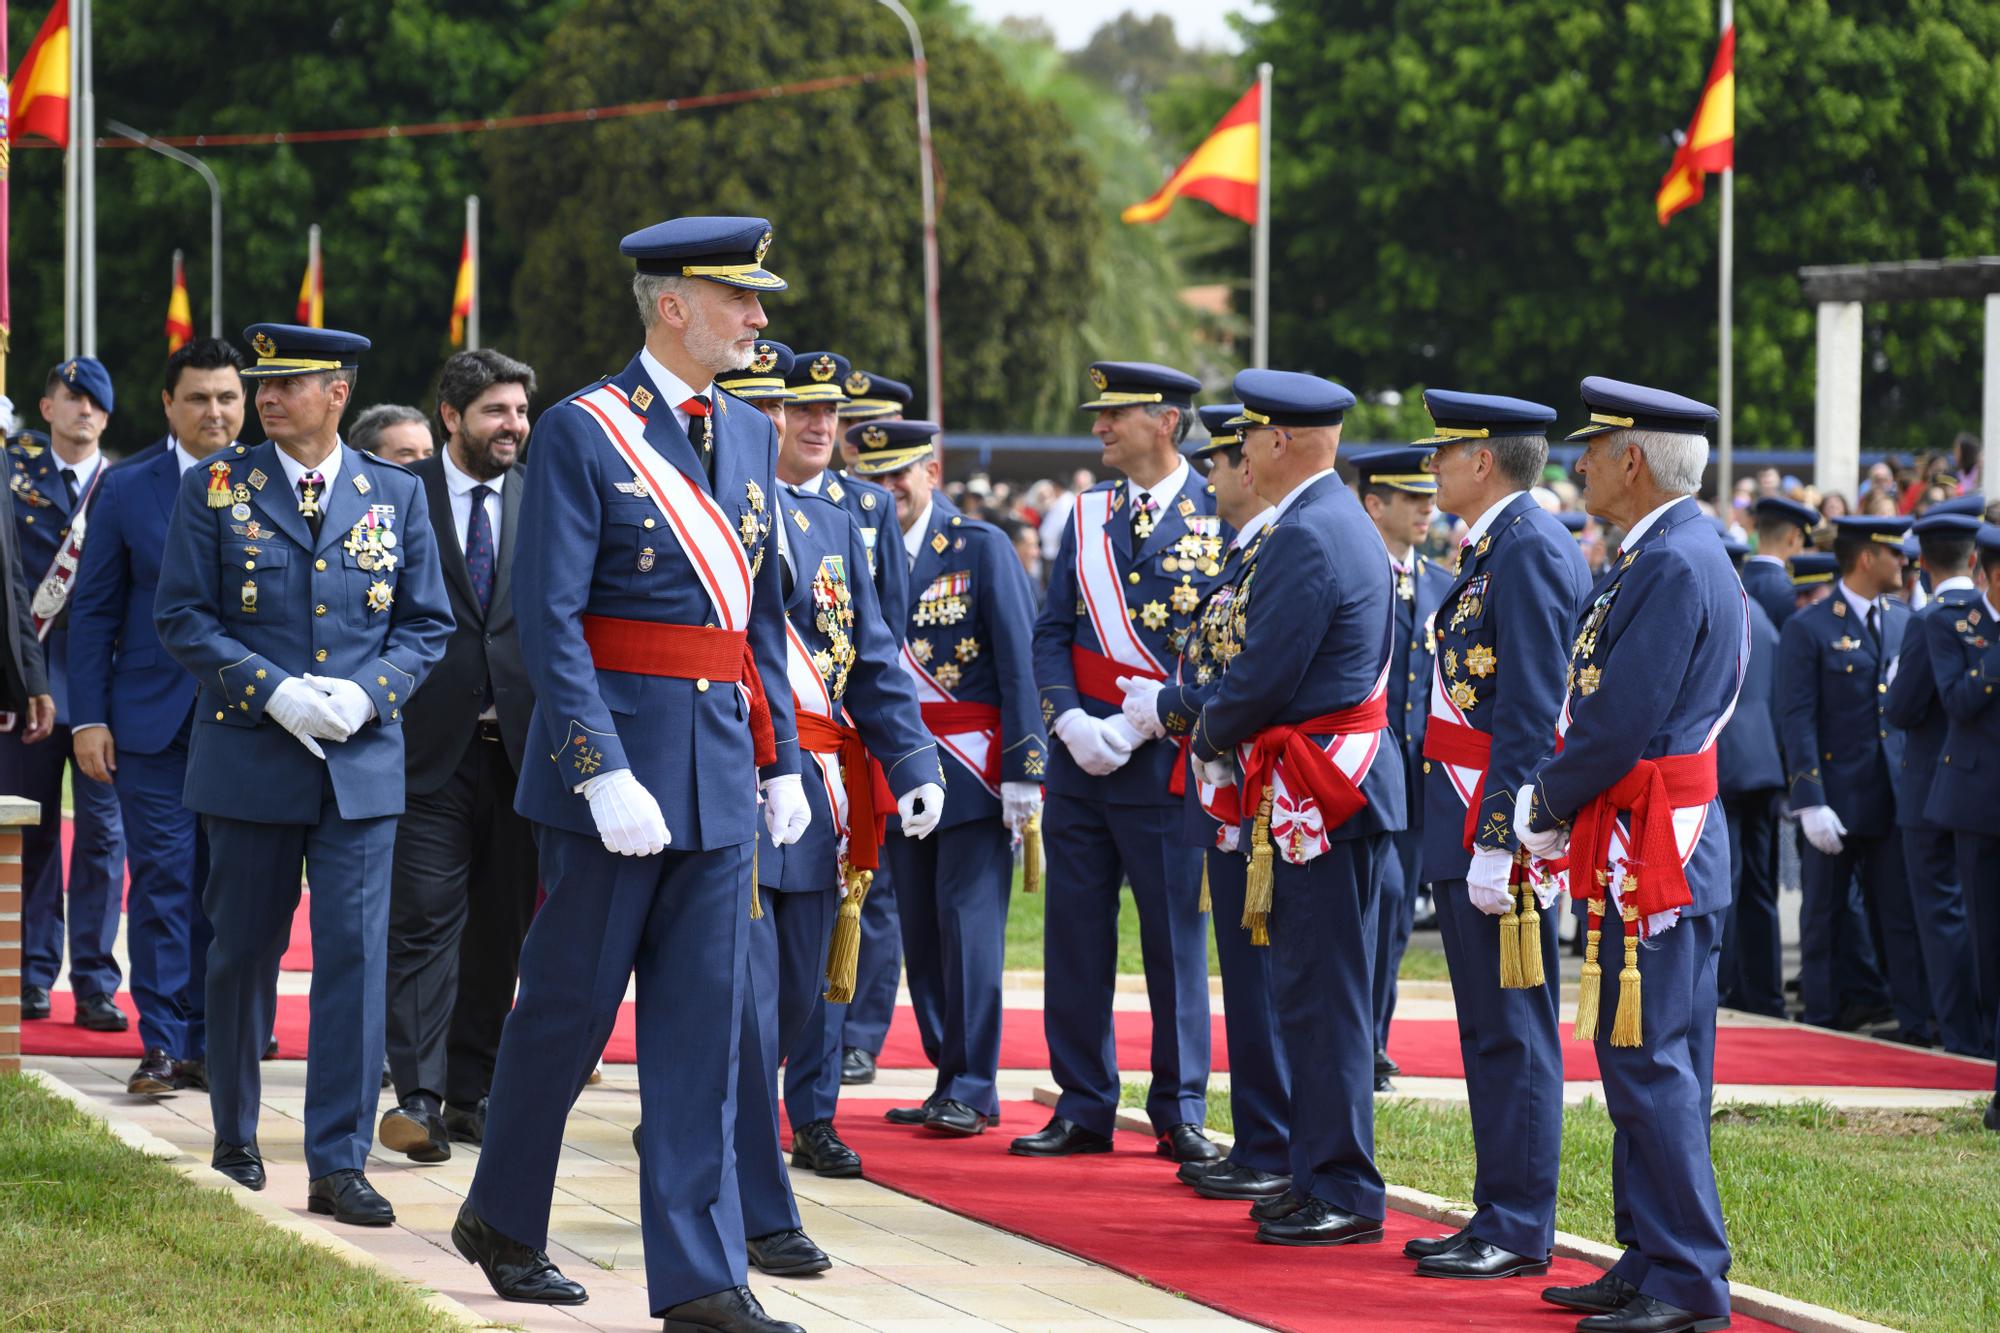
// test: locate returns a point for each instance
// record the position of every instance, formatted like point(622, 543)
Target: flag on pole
point(1222, 170)
point(180, 316)
point(312, 294)
point(39, 94)
point(1710, 142)
point(461, 292)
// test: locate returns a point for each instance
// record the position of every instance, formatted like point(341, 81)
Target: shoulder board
point(374, 460)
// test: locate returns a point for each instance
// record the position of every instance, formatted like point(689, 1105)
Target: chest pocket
point(254, 578)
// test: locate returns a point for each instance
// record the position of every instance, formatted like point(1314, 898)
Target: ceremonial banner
point(180, 315)
point(1222, 170)
point(39, 94)
point(1710, 143)
point(461, 292)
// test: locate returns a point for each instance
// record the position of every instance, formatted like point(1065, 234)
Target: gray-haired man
point(394, 433)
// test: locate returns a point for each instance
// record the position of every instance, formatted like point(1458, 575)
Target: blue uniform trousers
point(1885, 917)
point(1323, 933)
point(1944, 932)
point(864, 1024)
point(1979, 874)
point(787, 968)
point(1512, 1051)
point(955, 887)
point(808, 1030)
point(1092, 847)
point(680, 920)
point(1752, 975)
point(166, 932)
point(1397, 917)
point(253, 888)
point(1667, 1214)
point(1260, 1078)
point(96, 868)
point(1837, 967)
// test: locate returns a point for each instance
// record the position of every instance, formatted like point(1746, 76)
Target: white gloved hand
point(1121, 736)
point(1823, 828)
point(1080, 733)
point(1141, 707)
point(786, 813)
point(1550, 844)
point(1486, 881)
point(350, 702)
point(921, 808)
point(305, 712)
point(628, 818)
point(1217, 772)
point(1018, 801)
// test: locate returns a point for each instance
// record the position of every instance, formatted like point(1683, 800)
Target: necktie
point(312, 487)
point(1875, 624)
point(1142, 517)
point(701, 433)
point(479, 548)
point(69, 480)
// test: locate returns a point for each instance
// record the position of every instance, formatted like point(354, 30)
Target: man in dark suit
point(1784, 529)
point(464, 884)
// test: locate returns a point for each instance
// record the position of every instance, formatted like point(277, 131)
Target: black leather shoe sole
point(1369, 1236)
point(459, 1243)
point(838, 1171)
point(1238, 1191)
point(1027, 1148)
point(327, 1208)
point(786, 1266)
point(146, 1084)
point(250, 1175)
point(413, 1138)
point(1440, 1266)
point(1585, 1299)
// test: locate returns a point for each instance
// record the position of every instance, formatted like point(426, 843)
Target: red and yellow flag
point(1710, 144)
point(461, 292)
point(312, 295)
point(39, 93)
point(1222, 169)
point(180, 316)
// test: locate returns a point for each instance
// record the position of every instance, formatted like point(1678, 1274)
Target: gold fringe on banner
point(844, 955)
point(1031, 854)
point(1257, 883)
point(1626, 1029)
point(1531, 934)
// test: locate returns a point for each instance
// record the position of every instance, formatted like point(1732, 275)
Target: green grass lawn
point(99, 1237)
point(1884, 1214)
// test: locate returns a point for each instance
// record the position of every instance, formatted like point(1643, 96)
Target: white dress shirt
point(1644, 525)
point(182, 458)
point(1167, 488)
point(84, 471)
point(913, 540)
point(459, 484)
point(672, 389)
point(1486, 520)
point(329, 470)
point(1251, 527)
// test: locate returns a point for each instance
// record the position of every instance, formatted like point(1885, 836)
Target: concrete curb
point(200, 1173)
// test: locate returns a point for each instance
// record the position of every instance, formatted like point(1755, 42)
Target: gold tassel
point(1204, 904)
point(1510, 946)
point(1626, 1029)
point(1589, 985)
point(756, 904)
point(1531, 939)
point(844, 955)
point(1031, 854)
point(1257, 882)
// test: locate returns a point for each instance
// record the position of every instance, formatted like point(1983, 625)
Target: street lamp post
point(145, 140)
point(933, 347)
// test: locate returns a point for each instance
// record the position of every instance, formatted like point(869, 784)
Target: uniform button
point(244, 707)
point(701, 686)
point(249, 689)
point(649, 522)
point(320, 610)
point(1427, 765)
point(260, 673)
point(395, 714)
point(1883, 734)
point(1881, 689)
point(319, 565)
point(392, 696)
point(1133, 577)
point(1413, 675)
point(249, 564)
point(218, 718)
point(320, 656)
point(1827, 755)
point(1408, 708)
point(381, 680)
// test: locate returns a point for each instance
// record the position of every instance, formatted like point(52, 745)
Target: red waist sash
point(1308, 766)
point(868, 796)
point(1453, 742)
point(1649, 794)
point(685, 652)
point(1097, 678)
point(949, 719)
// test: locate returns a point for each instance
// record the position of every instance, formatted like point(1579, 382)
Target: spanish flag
point(39, 93)
point(1222, 170)
point(1710, 144)
point(180, 317)
point(312, 294)
point(461, 292)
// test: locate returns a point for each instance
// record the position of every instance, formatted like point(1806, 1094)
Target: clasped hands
point(1100, 745)
point(319, 708)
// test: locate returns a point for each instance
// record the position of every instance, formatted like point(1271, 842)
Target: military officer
point(1812, 578)
point(1834, 666)
point(1260, 1081)
point(328, 611)
point(1140, 553)
point(653, 629)
point(1398, 494)
point(1630, 793)
point(967, 644)
point(1750, 773)
point(1784, 530)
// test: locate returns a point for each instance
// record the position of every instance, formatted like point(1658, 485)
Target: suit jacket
point(43, 516)
point(1965, 665)
point(23, 670)
point(484, 646)
point(1770, 586)
point(1833, 686)
point(119, 671)
point(1749, 757)
point(1913, 704)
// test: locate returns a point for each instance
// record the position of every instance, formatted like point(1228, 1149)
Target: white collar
point(329, 471)
point(182, 458)
point(1291, 497)
point(1955, 581)
point(457, 481)
point(1486, 520)
point(913, 540)
point(670, 385)
point(1253, 525)
point(1861, 605)
point(1645, 525)
point(84, 470)
point(812, 484)
point(1168, 486)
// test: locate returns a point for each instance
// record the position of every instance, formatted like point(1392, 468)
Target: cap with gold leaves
point(1125, 383)
point(763, 380)
point(871, 396)
point(891, 446)
point(728, 250)
point(294, 349)
point(817, 377)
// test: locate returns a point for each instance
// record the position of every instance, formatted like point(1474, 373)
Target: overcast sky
point(1198, 22)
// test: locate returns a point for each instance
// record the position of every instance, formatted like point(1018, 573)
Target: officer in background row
point(1750, 773)
point(1784, 530)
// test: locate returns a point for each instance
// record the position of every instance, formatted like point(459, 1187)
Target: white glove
point(1549, 845)
point(921, 808)
point(1079, 731)
point(1823, 828)
point(786, 813)
point(628, 818)
point(1218, 772)
point(1018, 801)
point(305, 712)
point(1486, 881)
point(350, 702)
point(1121, 736)
point(1141, 706)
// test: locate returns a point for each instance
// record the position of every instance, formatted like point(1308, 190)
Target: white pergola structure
point(1839, 291)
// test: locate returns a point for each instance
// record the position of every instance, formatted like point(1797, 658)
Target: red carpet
point(1125, 1210)
point(299, 953)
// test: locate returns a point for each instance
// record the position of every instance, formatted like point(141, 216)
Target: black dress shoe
point(1241, 1182)
point(346, 1196)
point(1059, 1138)
point(100, 1013)
point(1473, 1258)
point(1608, 1293)
point(416, 1130)
point(1385, 1067)
point(856, 1066)
point(466, 1124)
point(154, 1076)
point(244, 1165)
point(950, 1117)
point(1382, 1083)
point(1649, 1314)
point(787, 1254)
point(731, 1311)
point(192, 1074)
point(515, 1272)
point(817, 1146)
point(1423, 1247)
point(1992, 1117)
point(271, 1048)
point(1275, 1207)
point(1867, 1014)
point(1189, 1172)
point(1318, 1222)
point(907, 1115)
point(34, 1003)
point(1186, 1143)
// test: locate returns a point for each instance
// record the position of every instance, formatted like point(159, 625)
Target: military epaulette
point(27, 443)
point(377, 460)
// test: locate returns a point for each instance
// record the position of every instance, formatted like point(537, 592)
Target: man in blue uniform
point(653, 628)
point(1750, 774)
point(1260, 1081)
point(1398, 492)
point(55, 480)
point(1945, 548)
point(1834, 661)
point(326, 614)
point(132, 712)
point(1137, 557)
point(1784, 530)
point(1503, 639)
point(1630, 793)
point(966, 635)
point(1303, 710)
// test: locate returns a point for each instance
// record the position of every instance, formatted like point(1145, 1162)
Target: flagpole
point(70, 274)
point(1260, 261)
point(6, 164)
point(314, 292)
point(1725, 440)
point(145, 140)
point(472, 252)
point(86, 175)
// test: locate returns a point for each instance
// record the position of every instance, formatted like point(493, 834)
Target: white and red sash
point(809, 695)
point(1464, 781)
point(52, 593)
point(973, 749)
point(1102, 589)
point(1298, 829)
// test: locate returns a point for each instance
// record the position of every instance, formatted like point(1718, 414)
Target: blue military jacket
point(1833, 686)
point(1419, 594)
point(1164, 578)
point(593, 542)
point(873, 510)
point(1502, 639)
point(1317, 627)
point(1655, 668)
point(1769, 584)
point(42, 518)
point(969, 628)
point(830, 603)
point(248, 599)
point(1913, 705)
point(1965, 664)
point(119, 671)
point(1748, 757)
